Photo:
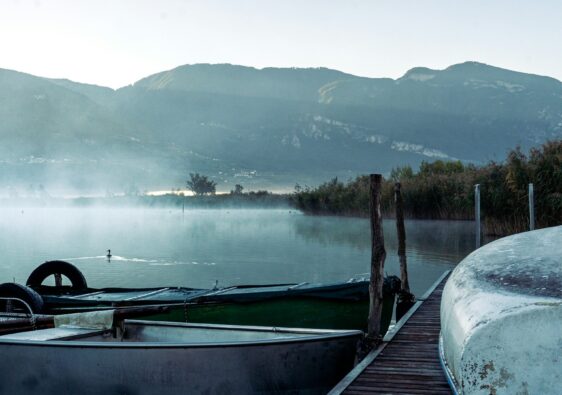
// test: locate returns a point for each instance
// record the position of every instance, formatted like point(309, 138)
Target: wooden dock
point(407, 361)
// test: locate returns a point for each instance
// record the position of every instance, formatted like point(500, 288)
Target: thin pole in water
point(531, 207)
point(401, 232)
point(477, 213)
point(378, 255)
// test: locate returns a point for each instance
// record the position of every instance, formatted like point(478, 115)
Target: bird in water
point(108, 255)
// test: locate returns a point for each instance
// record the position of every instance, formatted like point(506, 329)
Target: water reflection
point(444, 239)
point(152, 247)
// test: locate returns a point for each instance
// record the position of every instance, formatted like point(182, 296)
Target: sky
point(117, 42)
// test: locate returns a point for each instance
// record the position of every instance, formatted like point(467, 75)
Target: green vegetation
point(252, 199)
point(445, 190)
point(201, 185)
point(238, 190)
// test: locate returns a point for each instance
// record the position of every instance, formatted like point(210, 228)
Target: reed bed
point(445, 190)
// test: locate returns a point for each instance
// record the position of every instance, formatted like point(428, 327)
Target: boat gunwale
point(70, 293)
point(310, 287)
point(172, 304)
point(445, 367)
point(316, 335)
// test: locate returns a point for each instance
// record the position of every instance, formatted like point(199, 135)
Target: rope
point(32, 317)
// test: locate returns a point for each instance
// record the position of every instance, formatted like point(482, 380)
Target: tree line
point(445, 190)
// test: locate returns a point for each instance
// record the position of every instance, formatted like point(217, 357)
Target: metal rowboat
point(147, 357)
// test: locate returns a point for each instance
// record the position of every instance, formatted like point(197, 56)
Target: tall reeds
point(445, 190)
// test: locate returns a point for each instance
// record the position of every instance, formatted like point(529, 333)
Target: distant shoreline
point(260, 199)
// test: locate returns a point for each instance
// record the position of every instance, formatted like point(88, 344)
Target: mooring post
point(531, 207)
point(401, 231)
point(378, 255)
point(477, 213)
point(405, 298)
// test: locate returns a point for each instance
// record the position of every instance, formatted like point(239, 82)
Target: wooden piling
point(405, 298)
point(378, 256)
point(401, 231)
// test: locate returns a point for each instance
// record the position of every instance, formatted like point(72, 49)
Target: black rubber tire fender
point(19, 291)
point(51, 268)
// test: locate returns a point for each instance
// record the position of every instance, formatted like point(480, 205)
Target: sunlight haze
point(115, 43)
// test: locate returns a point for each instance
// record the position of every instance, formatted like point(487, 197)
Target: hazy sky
point(116, 42)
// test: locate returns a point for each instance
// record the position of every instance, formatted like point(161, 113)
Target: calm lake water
point(153, 247)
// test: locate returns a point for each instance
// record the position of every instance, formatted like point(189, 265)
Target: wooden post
point(531, 207)
point(401, 230)
point(378, 255)
point(477, 213)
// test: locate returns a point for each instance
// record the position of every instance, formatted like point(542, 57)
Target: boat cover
point(353, 290)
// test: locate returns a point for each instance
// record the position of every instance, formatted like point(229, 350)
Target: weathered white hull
point(501, 317)
point(280, 363)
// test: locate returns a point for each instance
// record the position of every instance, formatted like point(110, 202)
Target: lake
point(157, 247)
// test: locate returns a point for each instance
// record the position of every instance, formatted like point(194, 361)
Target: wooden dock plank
point(408, 360)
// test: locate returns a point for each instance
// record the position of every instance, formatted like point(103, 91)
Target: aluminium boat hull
point(283, 365)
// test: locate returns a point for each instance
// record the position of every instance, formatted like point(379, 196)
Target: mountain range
point(262, 128)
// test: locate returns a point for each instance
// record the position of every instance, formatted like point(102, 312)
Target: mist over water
point(162, 247)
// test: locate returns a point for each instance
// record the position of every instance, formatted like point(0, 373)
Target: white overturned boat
point(147, 357)
point(501, 317)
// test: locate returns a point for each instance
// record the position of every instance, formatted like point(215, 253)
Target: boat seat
point(61, 333)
